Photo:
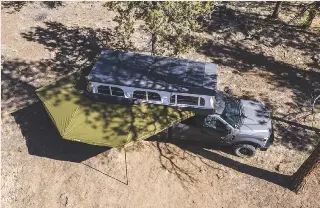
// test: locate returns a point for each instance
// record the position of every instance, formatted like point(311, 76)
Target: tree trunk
point(153, 44)
point(309, 165)
point(275, 13)
point(311, 15)
point(153, 35)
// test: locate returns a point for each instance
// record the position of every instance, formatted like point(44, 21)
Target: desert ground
point(261, 59)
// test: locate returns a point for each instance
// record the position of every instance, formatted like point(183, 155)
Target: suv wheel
point(244, 150)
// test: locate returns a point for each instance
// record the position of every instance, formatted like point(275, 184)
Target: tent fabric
point(81, 119)
point(155, 72)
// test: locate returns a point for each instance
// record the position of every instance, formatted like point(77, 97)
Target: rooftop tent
point(107, 124)
point(155, 72)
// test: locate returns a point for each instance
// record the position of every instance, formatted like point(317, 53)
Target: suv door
point(217, 130)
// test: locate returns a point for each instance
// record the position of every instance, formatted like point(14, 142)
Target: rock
point(309, 147)
point(40, 16)
point(220, 175)
point(316, 58)
point(63, 200)
point(270, 41)
point(238, 36)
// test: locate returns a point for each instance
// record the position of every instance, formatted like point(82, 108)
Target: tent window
point(104, 90)
point(116, 91)
point(140, 95)
point(173, 99)
point(188, 100)
point(202, 101)
point(154, 96)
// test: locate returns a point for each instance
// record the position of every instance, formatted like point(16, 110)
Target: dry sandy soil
point(259, 58)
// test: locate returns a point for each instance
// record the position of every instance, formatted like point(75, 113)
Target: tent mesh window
point(202, 101)
point(155, 73)
point(173, 99)
point(116, 91)
point(188, 100)
point(140, 95)
point(104, 90)
point(154, 96)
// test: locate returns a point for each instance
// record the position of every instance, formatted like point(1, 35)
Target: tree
point(275, 13)
point(169, 24)
point(298, 178)
point(313, 10)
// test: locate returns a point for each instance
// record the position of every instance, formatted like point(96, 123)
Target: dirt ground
point(259, 59)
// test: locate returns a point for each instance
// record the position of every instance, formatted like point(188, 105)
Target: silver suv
point(244, 124)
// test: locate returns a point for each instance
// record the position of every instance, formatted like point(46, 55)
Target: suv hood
point(256, 118)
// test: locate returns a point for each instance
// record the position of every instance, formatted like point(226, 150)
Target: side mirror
point(210, 122)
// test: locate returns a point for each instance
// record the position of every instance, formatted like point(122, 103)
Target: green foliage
point(125, 20)
point(169, 24)
point(312, 11)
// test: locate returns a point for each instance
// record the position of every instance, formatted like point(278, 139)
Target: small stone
point(316, 58)
point(309, 147)
point(219, 175)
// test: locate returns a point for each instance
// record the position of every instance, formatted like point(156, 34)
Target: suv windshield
point(232, 112)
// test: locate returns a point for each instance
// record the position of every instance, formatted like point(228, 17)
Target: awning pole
point(170, 133)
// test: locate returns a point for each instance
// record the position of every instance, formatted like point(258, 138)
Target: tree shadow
point(20, 80)
point(15, 5)
point(231, 50)
point(75, 48)
point(298, 125)
point(238, 56)
point(74, 52)
point(122, 122)
point(43, 139)
point(263, 174)
point(228, 21)
point(168, 157)
point(187, 142)
point(72, 49)
point(53, 4)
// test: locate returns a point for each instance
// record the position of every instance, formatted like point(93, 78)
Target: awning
point(81, 119)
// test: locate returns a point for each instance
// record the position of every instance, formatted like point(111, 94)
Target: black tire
point(244, 150)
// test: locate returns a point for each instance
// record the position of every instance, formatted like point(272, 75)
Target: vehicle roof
point(155, 72)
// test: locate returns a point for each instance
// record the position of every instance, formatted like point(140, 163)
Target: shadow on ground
point(243, 41)
point(72, 49)
point(16, 6)
point(228, 21)
point(202, 150)
point(266, 175)
point(43, 139)
point(75, 48)
point(239, 46)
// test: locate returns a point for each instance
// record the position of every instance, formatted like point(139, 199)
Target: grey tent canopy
point(155, 72)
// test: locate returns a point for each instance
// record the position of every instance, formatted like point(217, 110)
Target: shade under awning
point(102, 123)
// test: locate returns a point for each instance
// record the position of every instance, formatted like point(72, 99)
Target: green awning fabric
point(101, 123)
